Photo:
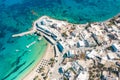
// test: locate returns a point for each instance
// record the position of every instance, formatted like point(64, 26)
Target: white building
point(81, 44)
point(83, 76)
point(111, 56)
point(75, 66)
point(92, 54)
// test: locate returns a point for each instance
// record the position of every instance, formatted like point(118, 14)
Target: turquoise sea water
point(17, 16)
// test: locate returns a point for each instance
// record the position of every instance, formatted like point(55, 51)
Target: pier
point(26, 33)
point(23, 33)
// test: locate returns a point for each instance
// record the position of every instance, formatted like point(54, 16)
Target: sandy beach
point(33, 73)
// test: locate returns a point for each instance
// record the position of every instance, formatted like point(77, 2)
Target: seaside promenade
point(46, 57)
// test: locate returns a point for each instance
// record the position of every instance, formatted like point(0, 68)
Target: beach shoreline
point(32, 73)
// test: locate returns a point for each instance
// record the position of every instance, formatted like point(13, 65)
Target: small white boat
point(17, 50)
point(39, 38)
point(30, 44)
point(29, 50)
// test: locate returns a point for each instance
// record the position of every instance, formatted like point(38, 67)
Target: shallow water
point(18, 15)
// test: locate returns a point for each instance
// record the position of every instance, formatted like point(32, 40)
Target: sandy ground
point(46, 57)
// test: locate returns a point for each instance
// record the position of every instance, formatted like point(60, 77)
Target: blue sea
point(18, 15)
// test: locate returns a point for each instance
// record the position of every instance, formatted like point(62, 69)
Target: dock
point(33, 30)
point(23, 33)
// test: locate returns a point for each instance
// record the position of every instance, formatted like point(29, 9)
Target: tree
point(82, 55)
point(41, 69)
point(36, 78)
point(64, 34)
point(45, 77)
point(52, 60)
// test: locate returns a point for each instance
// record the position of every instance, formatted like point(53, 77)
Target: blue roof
point(54, 36)
point(60, 47)
point(42, 23)
point(114, 49)
point(60, 70)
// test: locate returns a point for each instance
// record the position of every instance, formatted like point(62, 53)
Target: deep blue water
point(17, 16)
